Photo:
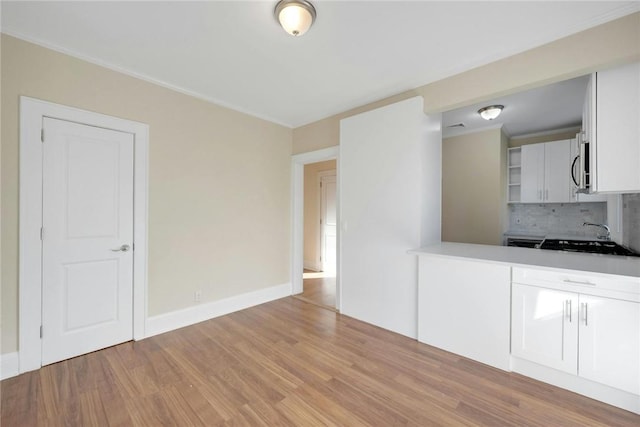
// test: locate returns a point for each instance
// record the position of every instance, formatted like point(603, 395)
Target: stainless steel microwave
point(581, 165)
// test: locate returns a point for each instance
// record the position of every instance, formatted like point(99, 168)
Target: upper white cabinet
point(545, 172)
point(613, 129)
point(557, 159)
point(532, 184)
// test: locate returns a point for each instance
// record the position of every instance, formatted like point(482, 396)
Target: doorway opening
point(320, 234)
point(315, 273)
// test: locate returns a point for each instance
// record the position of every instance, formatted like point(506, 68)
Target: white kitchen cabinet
point(592, 336)
point(545, 327)
point(613, 130)
point(609, 342)
point(464, 308)
point(545, 172)
point(557, 160)
point(532, 184)
point(468, 292)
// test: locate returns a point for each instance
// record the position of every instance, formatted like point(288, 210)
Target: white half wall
point(390, 179)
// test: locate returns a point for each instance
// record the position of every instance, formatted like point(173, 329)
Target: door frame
point(321, 203)
point(297, 215)
point(32, 113)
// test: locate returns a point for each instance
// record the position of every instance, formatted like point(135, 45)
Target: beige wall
point(555, 136)
point(219, 181)
point(312, 210)
point(473, 187)
point(607, 45)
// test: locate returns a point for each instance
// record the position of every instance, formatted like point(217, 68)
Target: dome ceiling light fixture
point(490, 112)
point(295, 16)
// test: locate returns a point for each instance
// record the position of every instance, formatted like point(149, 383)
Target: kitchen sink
point(591, 246)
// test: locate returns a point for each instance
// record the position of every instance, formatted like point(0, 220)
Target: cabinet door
point(531, 188)
point(610, 342)
point(618, 130)
point(557, 170)
point(544, 327)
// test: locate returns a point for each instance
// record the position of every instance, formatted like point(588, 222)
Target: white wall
point(219, 182)
point(389, 187)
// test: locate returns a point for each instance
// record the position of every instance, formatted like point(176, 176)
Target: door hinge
point(42, 135)
point(320, 184)
point(40, 331)
point(41, 233)
point(320, 221)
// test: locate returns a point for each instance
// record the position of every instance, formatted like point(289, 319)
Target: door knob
point(123, 248)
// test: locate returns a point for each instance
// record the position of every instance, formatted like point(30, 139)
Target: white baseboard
point(178, 319)
point(311, 265)
point(592, 389)
point(9, 365)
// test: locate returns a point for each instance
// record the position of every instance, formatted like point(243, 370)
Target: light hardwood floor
point(288, 363)
point(319, 288)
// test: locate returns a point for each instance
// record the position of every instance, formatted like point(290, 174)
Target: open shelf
point(514, 177)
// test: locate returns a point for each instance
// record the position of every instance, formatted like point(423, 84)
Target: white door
point(532, 183)
point(610, 343)
point(545, 327)
point(87, 259)
point(328, 223)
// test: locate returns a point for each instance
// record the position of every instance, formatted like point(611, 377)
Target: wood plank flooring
point(288, 363)
point(319, 289)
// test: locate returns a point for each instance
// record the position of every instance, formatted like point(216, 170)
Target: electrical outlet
point(197, 296)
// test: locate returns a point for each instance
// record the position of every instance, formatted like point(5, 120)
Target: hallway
point(319, 289)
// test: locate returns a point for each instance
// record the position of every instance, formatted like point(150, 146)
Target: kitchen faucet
point(606, 236)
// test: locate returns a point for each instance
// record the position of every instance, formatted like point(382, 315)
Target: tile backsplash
point(559, 218)
point(631, 220)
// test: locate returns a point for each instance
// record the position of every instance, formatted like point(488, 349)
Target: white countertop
point(595, 263)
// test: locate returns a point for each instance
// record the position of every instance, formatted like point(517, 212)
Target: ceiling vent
point(457, 125)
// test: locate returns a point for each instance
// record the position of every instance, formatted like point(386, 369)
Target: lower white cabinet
point(545, 327)
point(594, 337)
point(575, 329)
point(609, 350)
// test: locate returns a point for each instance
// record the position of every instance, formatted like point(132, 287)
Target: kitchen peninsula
point(568, 319)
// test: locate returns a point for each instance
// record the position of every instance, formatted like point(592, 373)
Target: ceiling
point(235, 54)
point(551, 107)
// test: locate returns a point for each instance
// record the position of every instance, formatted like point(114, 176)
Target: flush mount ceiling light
point(490, 112)
point(295, 16)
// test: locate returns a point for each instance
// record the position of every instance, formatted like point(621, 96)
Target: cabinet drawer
point(627, 288)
